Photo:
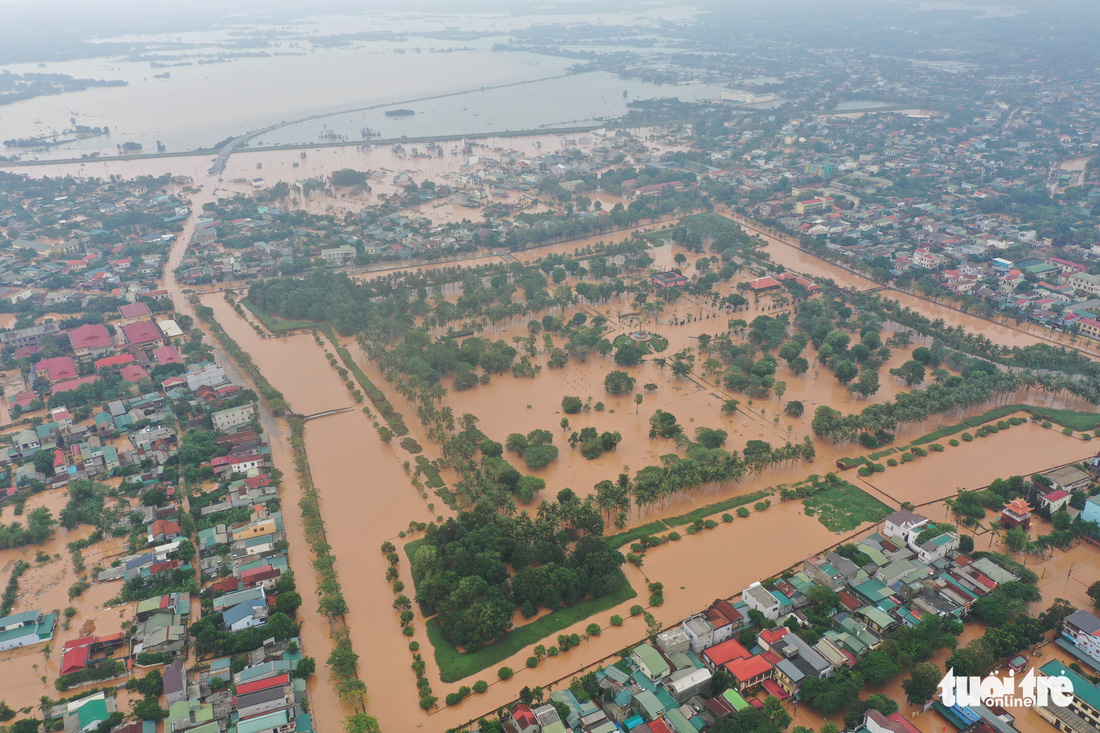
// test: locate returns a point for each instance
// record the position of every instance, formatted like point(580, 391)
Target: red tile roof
point(57, 369)
point(74, 659)
point(134, 310)
point(167, 355)
point(142, 332)
point(90, 336)
point(746, 669)
point(74, 383)
point(726, 652)
point(133, 373)
point(763, 283)
point(266, 684)
point(117, 360)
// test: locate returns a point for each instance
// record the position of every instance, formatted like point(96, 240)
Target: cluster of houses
point(263, 696)
point(668, 686)
point(118, 246)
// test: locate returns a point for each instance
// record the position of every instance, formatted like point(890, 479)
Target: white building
point(338, 255)
point(901, 523)
point(234, 417)
point(1082, 629)
point(207, 374)
point(758, 597)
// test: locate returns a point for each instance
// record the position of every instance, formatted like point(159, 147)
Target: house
point(175, 682)
point(760, 598)
point(338, 255)
point(134, 312)
point(89, 340)
point(1054, 500)
point(935, 548)
point(245, 615)
point(901, 523)
point(24, 629)
point(749, 673)
point(650, 662)
point(143, 334)
point(876, 722)
point(226, 420)
point(30, 336)
point(1091, 512)
point(1083, 712)
point(1016, 513)
point(1082, 630)
point(721, 654)
point(523, 719)
point(716, 625)
point(1068, 478)
point(57, 369)
point(761, 284)
point(662, 280)
point(163, 530)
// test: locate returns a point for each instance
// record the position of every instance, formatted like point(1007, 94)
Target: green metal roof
point(1082, 688)
point(734, 698)
point(92, 711)
point(653, 661)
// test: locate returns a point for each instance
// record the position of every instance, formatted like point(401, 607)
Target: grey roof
point(905, 517)
point(1085, 621)
point(175, 678)
point(241, 611)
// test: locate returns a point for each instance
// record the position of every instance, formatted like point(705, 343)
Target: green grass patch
point(883, 453)
point(625, 538)
point(273, 324)
point(844, 507)
point(721, 506)
point(455, 665)
point(1069, 418)
point(432, 479)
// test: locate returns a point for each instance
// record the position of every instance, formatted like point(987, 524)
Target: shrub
point(656, 599)
point(408, 631)
point(593, 629)
point(553, 651)
point(727, 517)
point(864, 471)
point(414, 646)
point(636, 610)
point(428, 702)
point(710, 524)
point(1067, 431)
point(453, 698)
point(936, 447)
point(1016, 420)
point(505, 673)
point(674, 536)
point(691, 529)
point(762, 505)
point(918, 451)
point(481, 686)
point(891, 462)
point(1046, 424)
point(967, 437)
point(616, 620)
point(953, 443)
point(878, 468)
point(742, 512)
point(532, 662)
point(906, 457)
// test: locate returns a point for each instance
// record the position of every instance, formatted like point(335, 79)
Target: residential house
point(90, 340)
point(1081, 630)
point(760, 598)
point(226, 420)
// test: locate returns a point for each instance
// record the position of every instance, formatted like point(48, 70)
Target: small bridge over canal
point(317, 415)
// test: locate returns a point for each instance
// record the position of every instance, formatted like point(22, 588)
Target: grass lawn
point(625, 538)
point(1082, 421)
point(844, 507)
point(455, 665)
point(721, 506)
point(272, 323)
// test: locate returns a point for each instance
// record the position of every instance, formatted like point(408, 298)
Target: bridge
point(317, 415)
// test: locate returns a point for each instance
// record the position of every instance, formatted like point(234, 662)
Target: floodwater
point(1022, 450)
point(360, 514)
point(463, 91)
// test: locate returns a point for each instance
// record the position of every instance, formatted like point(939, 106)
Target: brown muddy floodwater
point(366, 499)
point(1022, 450)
